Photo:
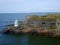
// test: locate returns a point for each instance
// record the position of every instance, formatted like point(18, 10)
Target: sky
point(28, 6)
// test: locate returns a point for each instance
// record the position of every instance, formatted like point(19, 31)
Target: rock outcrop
point(40, 32)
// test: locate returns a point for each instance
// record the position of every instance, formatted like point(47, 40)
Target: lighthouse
point(16, 23)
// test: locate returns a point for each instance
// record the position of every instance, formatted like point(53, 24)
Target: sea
point(5, 39)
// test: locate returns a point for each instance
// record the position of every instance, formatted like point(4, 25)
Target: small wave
point(6, 21)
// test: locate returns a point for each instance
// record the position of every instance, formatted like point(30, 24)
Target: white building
point(16, 23)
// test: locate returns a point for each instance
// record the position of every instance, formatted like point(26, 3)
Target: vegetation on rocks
point(45, 17)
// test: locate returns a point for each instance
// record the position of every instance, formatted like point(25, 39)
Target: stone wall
point(42, 23)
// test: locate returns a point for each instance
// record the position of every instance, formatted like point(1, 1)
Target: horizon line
point(30, 12)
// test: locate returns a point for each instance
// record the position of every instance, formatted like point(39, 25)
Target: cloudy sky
point(26, 6)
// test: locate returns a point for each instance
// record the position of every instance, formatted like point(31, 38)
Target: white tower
point(16, 23)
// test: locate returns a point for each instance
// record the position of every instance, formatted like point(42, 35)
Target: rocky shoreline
point(39, 32)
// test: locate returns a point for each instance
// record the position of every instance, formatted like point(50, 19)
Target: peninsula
point(47, 25)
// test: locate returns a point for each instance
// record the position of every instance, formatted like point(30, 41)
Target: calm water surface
point(6, 19)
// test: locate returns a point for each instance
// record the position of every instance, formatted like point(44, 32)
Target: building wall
point(42, 23)
point(58, 24)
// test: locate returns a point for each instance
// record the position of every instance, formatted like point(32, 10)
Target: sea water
point(8, 18)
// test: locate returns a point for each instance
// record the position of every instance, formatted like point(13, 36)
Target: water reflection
point(38, 40)
point(27, 40)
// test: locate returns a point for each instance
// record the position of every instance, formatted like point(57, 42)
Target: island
point(47, 25)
